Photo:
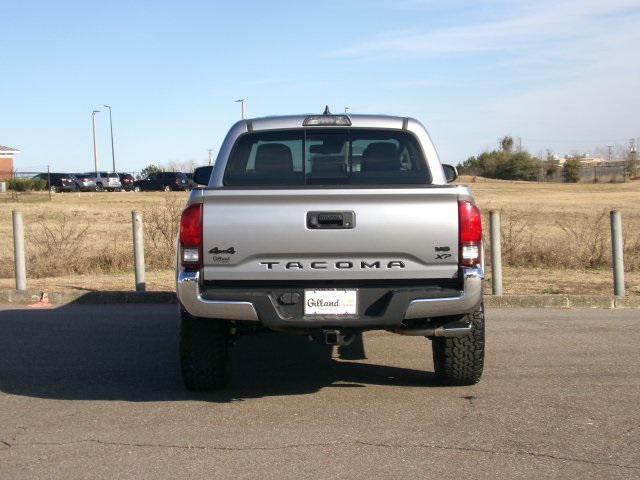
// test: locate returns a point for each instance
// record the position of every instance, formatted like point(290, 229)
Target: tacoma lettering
point(339, 265)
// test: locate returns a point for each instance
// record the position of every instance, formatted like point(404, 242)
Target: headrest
point(380, 156)
point(273, 158)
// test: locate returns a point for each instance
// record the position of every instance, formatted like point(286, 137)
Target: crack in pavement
point(327, 444)
point(501, 452)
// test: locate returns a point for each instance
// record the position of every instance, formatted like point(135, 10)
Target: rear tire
point(136, 189)
point(99, 187)
point(204, 345)
point(460, 360)
point(167, 188)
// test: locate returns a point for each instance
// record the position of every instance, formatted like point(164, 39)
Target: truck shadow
point(130, 352)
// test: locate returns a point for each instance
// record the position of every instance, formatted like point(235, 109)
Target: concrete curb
point(29, 297)
point(84, 298)
point(561, 301)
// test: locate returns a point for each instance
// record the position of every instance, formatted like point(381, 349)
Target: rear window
point(338, 157)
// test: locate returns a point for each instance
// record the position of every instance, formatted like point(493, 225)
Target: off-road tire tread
point(204, 344)
point(460, 360)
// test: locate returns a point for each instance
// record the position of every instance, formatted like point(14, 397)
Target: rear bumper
point(190, 297)
point(469, 298)
point(384, 307)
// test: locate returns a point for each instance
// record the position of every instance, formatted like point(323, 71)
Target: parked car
point(328, 226)
point(60, 182)
point(126, 180)
point(192, 183)
point(166, 181)
point(85, 182)
point(106, 181)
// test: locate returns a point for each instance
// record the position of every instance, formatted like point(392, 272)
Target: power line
point(614, 140)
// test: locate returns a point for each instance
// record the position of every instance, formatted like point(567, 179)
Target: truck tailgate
point(403, 233)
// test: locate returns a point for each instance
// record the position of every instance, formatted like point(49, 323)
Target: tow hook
point(335, 337)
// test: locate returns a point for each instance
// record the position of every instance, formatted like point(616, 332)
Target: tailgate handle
point(331, 220)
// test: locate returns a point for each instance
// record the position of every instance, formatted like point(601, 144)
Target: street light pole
point(241, 102)
point(95, 145)
point(113, 154)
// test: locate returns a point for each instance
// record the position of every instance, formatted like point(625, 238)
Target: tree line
point(508, 163)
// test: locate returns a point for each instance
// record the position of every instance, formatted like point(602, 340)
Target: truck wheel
point(204, 344)
point(459, 360)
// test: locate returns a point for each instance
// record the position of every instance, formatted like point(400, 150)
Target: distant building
point(585, 160)
point(6, 162)
point(592, 161)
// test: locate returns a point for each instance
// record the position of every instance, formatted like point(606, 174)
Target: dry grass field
point(555, 236)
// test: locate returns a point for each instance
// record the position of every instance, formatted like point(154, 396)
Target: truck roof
point(357, 121)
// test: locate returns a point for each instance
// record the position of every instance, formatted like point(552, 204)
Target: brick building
point(6, 162)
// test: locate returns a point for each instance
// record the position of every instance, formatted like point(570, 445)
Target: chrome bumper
point(190, 297)
point(188, 292)
point(470, 297)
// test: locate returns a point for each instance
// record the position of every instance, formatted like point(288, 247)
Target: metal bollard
point(18, 250)
point(496, 253)
point(617, 253)
point(138, 250)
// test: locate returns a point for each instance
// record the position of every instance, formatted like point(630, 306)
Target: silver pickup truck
point(328, 226)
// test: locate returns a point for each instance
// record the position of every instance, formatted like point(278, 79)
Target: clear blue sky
point(560, 74)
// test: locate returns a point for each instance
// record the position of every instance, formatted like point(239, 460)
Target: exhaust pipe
point(435, 332)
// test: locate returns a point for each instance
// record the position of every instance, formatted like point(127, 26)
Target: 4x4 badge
point(217, 251)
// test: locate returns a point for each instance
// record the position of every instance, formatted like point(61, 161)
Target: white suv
point(106, 181)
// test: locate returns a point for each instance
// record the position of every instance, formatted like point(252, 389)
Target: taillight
point(191, 237)
point(470, 228)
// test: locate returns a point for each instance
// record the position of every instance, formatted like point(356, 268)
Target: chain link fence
point(609, 173)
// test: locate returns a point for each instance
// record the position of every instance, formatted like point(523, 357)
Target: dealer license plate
point(330, 302)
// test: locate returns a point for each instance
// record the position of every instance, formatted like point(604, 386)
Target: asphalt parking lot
point(95, 392)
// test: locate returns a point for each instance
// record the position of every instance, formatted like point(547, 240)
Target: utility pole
point(241, 102)
point(95, 145)
point(113, 155)
point(633, 161)
point(210, 150)
point(519, 144)
point(609, 155)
